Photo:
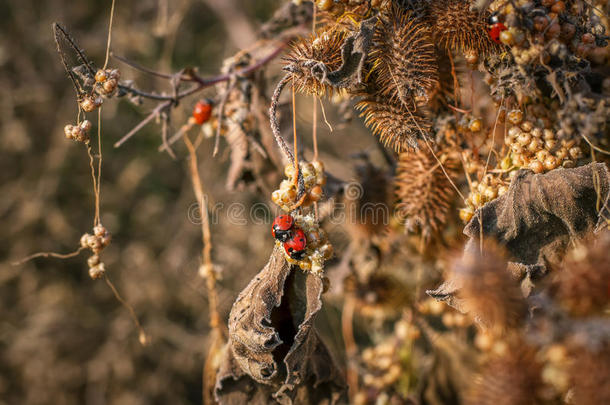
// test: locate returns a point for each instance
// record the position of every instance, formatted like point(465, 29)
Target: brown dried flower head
point(403, 57)
point(582, 284)
point(423, 192)
point(589, 375)
point(487, 289)
point(397, 127)
point(509, 378)
point(310, 57)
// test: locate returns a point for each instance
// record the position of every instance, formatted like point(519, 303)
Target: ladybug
point(281, 227)
point(202, 111)
point(295, 246)
point(495, 28)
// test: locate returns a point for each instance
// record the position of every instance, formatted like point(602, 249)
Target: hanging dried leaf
point(274, 354)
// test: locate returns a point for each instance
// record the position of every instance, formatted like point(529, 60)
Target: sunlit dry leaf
point(536, 220)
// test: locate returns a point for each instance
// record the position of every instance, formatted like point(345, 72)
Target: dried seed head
point(96, 272)
point(309, 57)
point(456, 28)
point(589, 373)
point(423, 192)
point(487, 289)
point(581, 284)
point(509, 378)
point(395, 125)
point(404, 57)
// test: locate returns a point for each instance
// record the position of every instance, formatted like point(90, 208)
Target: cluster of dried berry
point(96, 242)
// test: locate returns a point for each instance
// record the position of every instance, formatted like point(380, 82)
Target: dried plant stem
point(206, 252)
point(109, 35)
point(94, 179)
point(48, 254)
point(314, 129)
point(96, 221)
point(351, 349)
point(493, 135)
point(221, 109)
point(142, 337)
point(175, 137)
point(142, 123)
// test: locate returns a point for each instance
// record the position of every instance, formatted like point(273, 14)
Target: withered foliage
point(273, 342)
point(541, 214)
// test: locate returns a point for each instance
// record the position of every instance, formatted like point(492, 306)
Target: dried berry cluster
point(96, 242)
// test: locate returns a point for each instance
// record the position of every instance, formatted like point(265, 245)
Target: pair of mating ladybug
point(293, 238)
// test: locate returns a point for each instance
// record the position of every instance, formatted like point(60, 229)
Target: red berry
point(202, 112)
point(281, 227)
point(495, 30)
point(295, 246)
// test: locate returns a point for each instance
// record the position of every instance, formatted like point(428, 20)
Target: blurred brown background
point(64, 338)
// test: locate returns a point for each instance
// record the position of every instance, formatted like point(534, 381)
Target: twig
point(347, 327)
point(221, 109)
point(48, 254)
point(142, 123)
point(207, 269)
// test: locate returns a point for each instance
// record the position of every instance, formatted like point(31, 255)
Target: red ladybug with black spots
point(495, 28)
point(295, 246)
point(281, 229)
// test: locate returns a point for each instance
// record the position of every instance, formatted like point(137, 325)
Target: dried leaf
point(274, 353)
point(536, 220)
point(541, 213)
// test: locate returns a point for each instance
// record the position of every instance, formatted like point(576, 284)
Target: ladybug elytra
point(495, 28)
point(202, 111)
point(295, 246)
point(280, 229)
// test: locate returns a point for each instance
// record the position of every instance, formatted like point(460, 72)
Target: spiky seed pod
point(589, 373)
point(486, 288)
point(423, 192)
point(403, 57)
point(306, 55)
point(396, 126)
point(510, 378)
point(581, 284)
point(456, 28)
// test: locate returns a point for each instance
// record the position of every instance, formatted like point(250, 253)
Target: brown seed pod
point(307, 54)
point(396, 126)
point(423, 191)
point(404, 57)
point(509, 378)
point(589, 375)
point(581, 284)
point(456, 28)
point(486, 288)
